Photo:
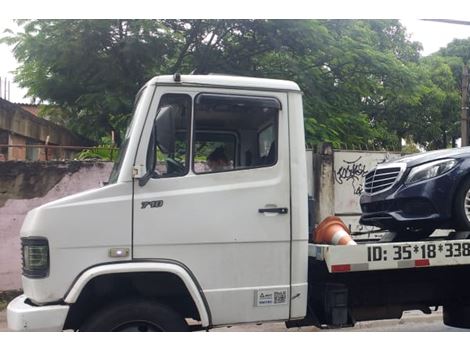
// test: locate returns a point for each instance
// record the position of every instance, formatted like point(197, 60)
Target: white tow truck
point(204, 223)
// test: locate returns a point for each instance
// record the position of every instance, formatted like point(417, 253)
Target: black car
point(419, 193)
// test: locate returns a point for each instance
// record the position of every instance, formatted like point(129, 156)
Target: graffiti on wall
point(350, 169)
point(352, 172)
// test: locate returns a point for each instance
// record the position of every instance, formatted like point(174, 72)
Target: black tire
point(135, 315)
point(461, 221)
point(457, 316)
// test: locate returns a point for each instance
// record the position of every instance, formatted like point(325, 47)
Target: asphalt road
point(413, 321)
point(410, 322)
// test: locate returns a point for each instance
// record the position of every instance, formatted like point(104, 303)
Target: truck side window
point(170, 136)
point(267, 144)
point(234, 132)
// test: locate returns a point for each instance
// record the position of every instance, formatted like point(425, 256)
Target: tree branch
point(192, 36)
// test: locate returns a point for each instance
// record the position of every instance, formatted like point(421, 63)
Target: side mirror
point(151, 159)
point(165, 124)
point(162, 135)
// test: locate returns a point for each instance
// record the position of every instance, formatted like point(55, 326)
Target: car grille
point(379, 180)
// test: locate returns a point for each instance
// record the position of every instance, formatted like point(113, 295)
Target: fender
point(167, 266)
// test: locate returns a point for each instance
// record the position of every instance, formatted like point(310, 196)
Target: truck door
point(218, 199)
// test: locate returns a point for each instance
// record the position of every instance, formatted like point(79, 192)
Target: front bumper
point(22, 316)
point(424, 203)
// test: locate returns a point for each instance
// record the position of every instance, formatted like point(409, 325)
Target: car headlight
point(35, 252)
point(430, 170)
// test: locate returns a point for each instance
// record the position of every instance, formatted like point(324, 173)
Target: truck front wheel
point(135, 316)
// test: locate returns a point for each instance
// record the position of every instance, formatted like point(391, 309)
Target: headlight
point(35, 252)
point(430, 170)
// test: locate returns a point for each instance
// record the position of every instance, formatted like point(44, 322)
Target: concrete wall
point(323, 182)
point(16, 153)
point(24, 186)
point(337, 178)
point(350, 168)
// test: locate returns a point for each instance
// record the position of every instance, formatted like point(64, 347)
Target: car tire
point(135, 316)
point(461, 210)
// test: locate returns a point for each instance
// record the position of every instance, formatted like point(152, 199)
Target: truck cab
point(204, 218)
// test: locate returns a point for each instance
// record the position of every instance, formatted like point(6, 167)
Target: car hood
point(421, 158)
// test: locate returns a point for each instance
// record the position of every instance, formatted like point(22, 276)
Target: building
point(32, 108)
point(22, 134)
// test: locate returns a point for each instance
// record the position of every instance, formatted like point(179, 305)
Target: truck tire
point(135, 316)
point(461, 208)
point(457, 316)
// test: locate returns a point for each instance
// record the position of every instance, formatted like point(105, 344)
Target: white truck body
point(237, 241)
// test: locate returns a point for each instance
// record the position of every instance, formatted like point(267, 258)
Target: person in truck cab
point(218, 161)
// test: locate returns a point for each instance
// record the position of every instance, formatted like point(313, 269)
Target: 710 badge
point(422, 251)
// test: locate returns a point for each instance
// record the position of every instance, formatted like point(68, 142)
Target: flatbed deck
point(370, 256)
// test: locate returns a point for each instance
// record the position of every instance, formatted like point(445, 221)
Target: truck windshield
point(122, 151)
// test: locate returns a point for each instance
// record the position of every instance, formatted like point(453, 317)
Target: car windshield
point(122, 151)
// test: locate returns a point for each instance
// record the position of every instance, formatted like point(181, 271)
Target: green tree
point(355, 74)
point(457, 48)
point(91, 69)
point(364, 73)
point(457, 54)
point(437, 119)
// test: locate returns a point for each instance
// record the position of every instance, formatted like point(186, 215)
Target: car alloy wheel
point(467, 205)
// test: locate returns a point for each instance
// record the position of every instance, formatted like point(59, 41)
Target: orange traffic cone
point(332, 231)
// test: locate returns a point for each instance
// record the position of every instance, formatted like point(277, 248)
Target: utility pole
point(464, 118)
point(5, 88)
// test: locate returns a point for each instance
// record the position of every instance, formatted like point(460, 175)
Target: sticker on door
point(270, 297)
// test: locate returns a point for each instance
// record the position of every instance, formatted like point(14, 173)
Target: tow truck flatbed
point(373, 256)
point(380, 280)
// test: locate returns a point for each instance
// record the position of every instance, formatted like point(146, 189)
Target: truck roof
point(228, 81)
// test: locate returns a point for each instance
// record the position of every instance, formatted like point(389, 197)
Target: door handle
point(273, 210)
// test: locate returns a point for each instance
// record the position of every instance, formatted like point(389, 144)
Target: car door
point(229, 225)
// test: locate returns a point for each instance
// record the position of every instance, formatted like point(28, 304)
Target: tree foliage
point(436, 121)
point(364, 81)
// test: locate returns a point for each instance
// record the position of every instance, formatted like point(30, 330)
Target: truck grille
point(379, 180)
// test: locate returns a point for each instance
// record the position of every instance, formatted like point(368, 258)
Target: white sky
point(7, 65)
point(432, 35)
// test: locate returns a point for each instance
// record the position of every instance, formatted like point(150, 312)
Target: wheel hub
point(138, 326)
point(467, 205)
